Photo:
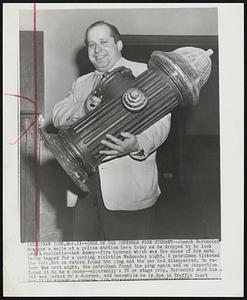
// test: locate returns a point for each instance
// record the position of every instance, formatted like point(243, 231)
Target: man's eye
point(103, 42)
point(90, 45)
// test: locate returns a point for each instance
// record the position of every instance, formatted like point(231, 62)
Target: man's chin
point(102, 68)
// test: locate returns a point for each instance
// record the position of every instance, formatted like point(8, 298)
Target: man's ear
point(119, 45)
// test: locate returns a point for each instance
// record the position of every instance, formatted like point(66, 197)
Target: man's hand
point(91, 103)
point(120, 147)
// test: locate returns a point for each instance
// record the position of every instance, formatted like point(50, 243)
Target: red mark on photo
point(30, 126)
point(21, 97)
point(36, 128)
point(23, 133)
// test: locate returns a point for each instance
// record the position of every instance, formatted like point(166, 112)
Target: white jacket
point(129, 182)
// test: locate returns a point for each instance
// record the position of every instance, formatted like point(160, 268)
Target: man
point(120, 204)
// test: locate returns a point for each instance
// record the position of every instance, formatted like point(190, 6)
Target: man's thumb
point(126, 135)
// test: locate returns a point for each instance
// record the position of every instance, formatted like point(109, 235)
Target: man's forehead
point(98, 32)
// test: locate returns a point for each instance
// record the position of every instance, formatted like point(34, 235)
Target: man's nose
point(97, 48)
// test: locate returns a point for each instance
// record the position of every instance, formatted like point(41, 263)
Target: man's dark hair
point(113, 30)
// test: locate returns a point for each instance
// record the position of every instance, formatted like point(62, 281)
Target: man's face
point(103, 52)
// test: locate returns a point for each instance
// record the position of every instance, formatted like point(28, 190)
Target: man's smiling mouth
point(100, 57)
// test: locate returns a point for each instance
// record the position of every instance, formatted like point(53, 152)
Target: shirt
point(129, 182)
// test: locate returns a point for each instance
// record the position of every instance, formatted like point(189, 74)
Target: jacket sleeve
point(69, 110)
point(150, 139)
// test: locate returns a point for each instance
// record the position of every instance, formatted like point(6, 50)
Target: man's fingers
point(92, 102)
point(126, 135)
point(109, 152)
point(96, 100)
point(111, 145)
point(108, 157)
point(114, 139)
